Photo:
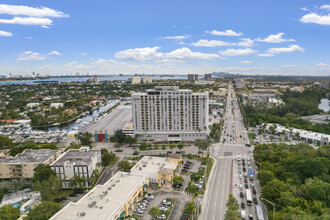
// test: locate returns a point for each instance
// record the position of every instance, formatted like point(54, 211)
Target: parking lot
point(177, 194)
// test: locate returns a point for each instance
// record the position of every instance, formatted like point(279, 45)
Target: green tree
point(190, 189)
point(7, 212)
point(42, 172)
point(232, 209)
point(189, 208)
point(49, 189)
point(265, 176)
point(106, 158)
point(5, 142)
point(84, 138)
point(43, 211)
point(202, 144)
point(125, 165)
point(272, 189)
point(180, 146)
point(177, 180)
point(154, 212)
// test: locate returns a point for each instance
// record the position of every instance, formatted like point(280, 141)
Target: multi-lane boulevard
point(232, 144)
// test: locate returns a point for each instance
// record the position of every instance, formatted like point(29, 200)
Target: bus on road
point(259, 213)
point(251, 174)
point(248, 197)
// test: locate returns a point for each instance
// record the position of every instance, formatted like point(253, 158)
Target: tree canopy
point(43, 211)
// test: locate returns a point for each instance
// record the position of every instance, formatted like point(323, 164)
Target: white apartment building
point(147, 80)
point(168, 113)
point(81, 162)
point(136, 80)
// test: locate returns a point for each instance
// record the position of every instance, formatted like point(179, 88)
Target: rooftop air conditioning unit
point(82, 213)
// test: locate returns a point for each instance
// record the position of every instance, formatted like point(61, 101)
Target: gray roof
point(75, 156)
point(38, 156)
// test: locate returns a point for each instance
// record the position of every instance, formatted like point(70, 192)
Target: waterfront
point(324, 105)
point(84, 79)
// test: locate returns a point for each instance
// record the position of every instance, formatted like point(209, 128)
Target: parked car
point(166, 202)
point(162, 216)
point(150, 196)
point(139, 211)
point(163, 208)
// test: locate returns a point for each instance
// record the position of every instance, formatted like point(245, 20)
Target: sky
point(282, 37)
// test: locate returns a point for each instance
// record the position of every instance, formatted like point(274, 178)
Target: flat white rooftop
point(150, 165)
point(110, 199)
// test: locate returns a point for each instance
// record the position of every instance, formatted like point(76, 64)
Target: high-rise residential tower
point(170, 114)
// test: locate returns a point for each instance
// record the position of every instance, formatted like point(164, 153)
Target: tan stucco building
point(23, 164)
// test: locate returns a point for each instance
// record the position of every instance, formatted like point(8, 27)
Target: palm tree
point(190, 190)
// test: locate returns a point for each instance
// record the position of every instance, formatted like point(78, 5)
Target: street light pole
point(272, 205)
point(258, 163)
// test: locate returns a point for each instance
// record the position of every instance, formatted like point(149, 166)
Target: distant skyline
point(169, 37)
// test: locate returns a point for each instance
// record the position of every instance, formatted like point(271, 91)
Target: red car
point(245, 181)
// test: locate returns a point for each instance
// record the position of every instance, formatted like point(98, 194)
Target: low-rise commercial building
point(204, 82)
point(114, 200)
point(159, 170)
point(23, 165)
point(56, 105)
point(81, 162)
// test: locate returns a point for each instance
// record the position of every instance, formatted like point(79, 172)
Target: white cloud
point(83, 54)
point(326, 7)
point(185, 54)
point(5, 34)
point(182, 43)
point(152, 54)
point(290, 49)
point(288, 65)
point(266, 55)
point(54, 52)
point(323, 64)
point(225, 33)
point(274, 38)
point(304, 9)
point(30, 11)
point(140, 54)
point(246, 42)
point(43, 22)
point(179, 37)
point(29, 55)
point(211, 43)
point(316, 18)
point(246, 61)
point(237, 52)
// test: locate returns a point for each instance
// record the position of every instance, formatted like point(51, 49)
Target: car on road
point(255, 200)
point(254, 191)
point(244, 169)
point(250, 217)
point(242, 205)
point(240, 176)
point(248, 145)
point(246, 186)
point(241, 194)
point(245, 180)
point(252, 185)
point(240, 187)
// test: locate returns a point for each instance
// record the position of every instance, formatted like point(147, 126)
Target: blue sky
point(126, 36)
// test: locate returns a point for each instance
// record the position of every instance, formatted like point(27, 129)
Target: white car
point(163, 208)
point(167, 203)
point(150, 196)
point(240, 176)
point(240, 187)
point(139, 211)
point(162, 216)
